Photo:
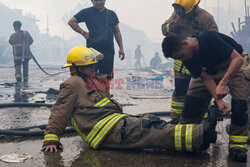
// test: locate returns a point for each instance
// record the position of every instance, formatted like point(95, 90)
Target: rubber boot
point(212, 121)
point(209, 136)
point(209, 133)
point(19, 79)
point(238, 155)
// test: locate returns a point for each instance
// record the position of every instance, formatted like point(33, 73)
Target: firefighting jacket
point(21, 41)
point(88, 106)
point(197, 21)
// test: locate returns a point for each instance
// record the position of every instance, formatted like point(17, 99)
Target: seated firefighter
point(155, 62)
point(216, 61)
point(84, 99)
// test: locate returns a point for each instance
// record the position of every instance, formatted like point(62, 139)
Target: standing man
point(21, 41)
point(217, 62)
point(138, 56)
point(102, 25)
point(187, 20)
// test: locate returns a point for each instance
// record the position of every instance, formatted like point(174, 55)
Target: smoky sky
point(145, 15)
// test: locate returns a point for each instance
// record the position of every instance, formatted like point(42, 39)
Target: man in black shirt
point(216, 61)
point(102, 24)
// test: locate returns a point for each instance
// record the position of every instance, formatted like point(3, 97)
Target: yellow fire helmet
point(82, 56)
point(188, 5)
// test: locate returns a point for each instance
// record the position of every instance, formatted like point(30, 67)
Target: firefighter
point(187, 20)
point(21, 41)
point(84, 99)
point(217, 61)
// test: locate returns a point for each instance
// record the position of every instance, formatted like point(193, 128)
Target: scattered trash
point(40, 101)
point(157, 72)
point(170, 90)
point(53, 91)
point(157, 78)
point(6, 84)
point(129, 104)
point(50, 91)
point(15, 157)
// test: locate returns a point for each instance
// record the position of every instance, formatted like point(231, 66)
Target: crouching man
point(99, 120)
point(217, 62)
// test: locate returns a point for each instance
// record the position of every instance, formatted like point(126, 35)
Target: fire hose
point(24, 131)
point(33, 57)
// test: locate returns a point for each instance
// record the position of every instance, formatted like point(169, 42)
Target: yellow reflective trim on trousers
point(17, 57)
point(177, 104)
point(188, 137)
point(16, 45)
point(238, 145)
point(238, 139)
point(205, 115)
point(73, 122)
point(241, 137)
point(18, 76)
point(176, 110)
point(102, 103)
point(168, 29)
point(50, 137)
point(98, 127)
point(105, 130)
point(177, 141)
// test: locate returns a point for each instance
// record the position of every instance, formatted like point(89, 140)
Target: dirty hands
point(121, 54)
point(52, 148)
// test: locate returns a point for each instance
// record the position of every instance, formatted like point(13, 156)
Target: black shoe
point(173, 121)
point(238, 155)
point(209, 133)
point(212, 122)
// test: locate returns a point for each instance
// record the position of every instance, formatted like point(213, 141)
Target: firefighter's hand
point(52, 148)
point(121, 54)
point(223, 107)
point(221, 91)
point(179, 22)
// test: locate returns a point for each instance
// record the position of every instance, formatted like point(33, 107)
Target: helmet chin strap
point(84, 77)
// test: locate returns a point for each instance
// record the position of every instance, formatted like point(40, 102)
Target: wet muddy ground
point(139, 99)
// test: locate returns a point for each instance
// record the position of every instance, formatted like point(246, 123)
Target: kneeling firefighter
point(85, 100)
point(187, 20)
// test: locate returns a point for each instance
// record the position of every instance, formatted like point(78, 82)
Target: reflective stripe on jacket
point(91, 110)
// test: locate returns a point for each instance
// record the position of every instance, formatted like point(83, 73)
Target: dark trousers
point(105, 66)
